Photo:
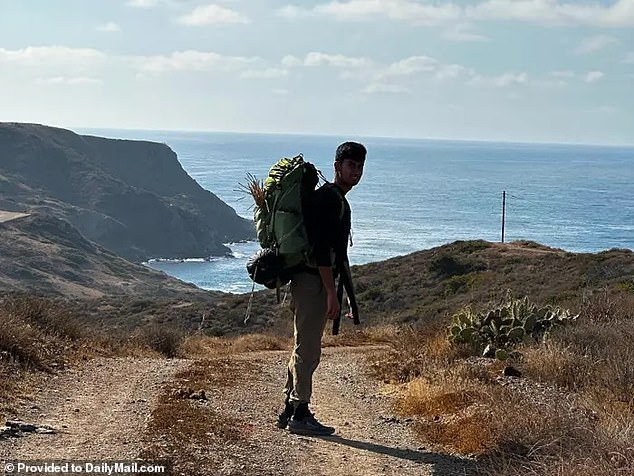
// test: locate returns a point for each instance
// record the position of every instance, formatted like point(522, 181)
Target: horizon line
point(363, 136)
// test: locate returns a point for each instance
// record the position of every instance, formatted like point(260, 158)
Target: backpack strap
point(337, 191)
point(345, 279)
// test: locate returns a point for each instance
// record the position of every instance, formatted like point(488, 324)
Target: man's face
point(350, 171)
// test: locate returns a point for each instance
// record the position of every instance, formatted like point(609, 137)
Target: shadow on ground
point(441, 464)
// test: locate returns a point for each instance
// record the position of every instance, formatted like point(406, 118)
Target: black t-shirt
point(329, 225)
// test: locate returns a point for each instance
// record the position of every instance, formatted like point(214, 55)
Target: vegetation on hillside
point(40, 335)
point(569, 412)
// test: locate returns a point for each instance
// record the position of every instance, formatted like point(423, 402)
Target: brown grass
point(571, 414)
point(355, 336)
point(164, 339)
point(182, 430)
point(201, 346)
point(41, 335)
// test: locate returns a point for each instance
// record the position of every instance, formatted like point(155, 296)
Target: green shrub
point(448, 266)
point(498, 330)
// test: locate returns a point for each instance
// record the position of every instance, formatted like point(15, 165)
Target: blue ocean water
point(417, 194)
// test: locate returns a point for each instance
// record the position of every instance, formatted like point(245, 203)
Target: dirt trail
point(6, 216)
point(99, 409)
point(370, 439)
point(105, 406)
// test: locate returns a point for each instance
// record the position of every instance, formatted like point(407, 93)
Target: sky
point(501, 70)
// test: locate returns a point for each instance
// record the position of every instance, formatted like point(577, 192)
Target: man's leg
point(309, 297)
point(310, 319)
point(289, 409)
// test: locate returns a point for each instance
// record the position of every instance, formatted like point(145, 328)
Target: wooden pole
point(503, 212)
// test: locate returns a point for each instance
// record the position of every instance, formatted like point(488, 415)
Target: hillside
point(131, 197)
point(47, 256)
point(427, 286)
point(431, 283)
point(409, 403)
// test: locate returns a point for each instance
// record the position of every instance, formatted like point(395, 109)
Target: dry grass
point(166, 340)
point(181, 430)
point(571, 414)
point(255, 188)
point(202, 346)
point(356, 336)
point(43, 335)
point(414, 353)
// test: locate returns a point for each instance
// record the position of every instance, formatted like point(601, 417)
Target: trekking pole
point(337, 321)
point(503, 212)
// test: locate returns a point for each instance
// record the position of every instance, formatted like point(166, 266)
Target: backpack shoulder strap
point(337, 192)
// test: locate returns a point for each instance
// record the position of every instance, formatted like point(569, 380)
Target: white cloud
point(501, 81)
point(424, 65)
point(508, 79)
point(292, 12)
point(356, 10)
point(594, 76)
point(315, 58)
point(453, 71)
point(72, 81)
point(212, 15)
point(42, 56)
point(410, 66)
point(595, 43)
point(463, 32)
point(268, 73)
point(193, 60)
point(290, 61)
point(142, 3)
point(629, 58)
point(375, 88)
point(109, 27)
point(280, 92)
point(618, 14)
point(586, 12)
point(338, 61)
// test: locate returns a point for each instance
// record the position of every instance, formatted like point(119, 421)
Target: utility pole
point(503, 212)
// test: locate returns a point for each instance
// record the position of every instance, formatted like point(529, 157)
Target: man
point(313, 289)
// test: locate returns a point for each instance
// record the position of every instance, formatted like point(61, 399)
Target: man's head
point(349, 161)
point(350, 150)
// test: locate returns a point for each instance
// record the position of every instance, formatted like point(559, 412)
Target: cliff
point(44, 255)
point(131, 197)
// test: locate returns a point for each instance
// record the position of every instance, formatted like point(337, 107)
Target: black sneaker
point(285, 416)
point(309, 426)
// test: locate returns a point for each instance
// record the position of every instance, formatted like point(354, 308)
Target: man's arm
point(328, 280)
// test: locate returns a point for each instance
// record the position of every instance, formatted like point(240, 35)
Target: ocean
point(418, 194)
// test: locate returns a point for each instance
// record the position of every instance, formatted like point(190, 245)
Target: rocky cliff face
point(45, 255)
point(131, 197)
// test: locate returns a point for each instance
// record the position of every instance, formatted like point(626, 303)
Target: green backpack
point(279, 220)
point(281, 229)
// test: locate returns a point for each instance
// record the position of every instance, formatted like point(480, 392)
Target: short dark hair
point(351, 150)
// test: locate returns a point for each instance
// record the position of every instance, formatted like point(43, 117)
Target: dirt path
point(370, 439)
point(103, 409)
point(99, 409)
point(8, 216)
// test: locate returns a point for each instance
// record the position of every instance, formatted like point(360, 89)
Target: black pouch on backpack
point(265, 267)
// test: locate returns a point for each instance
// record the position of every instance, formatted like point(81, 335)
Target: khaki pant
point(309, 296)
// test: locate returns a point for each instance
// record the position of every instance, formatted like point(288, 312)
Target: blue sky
point(511, 70)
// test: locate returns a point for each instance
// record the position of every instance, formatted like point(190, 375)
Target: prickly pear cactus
point(499, 330)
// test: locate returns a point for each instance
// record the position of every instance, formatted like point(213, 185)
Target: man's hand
point(332, 303)
point(332, 310)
